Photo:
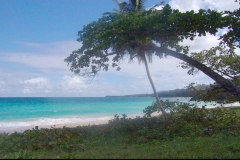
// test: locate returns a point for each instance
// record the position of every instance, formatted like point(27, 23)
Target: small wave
point(49, 121)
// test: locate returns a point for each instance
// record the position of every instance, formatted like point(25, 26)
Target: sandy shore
point(22, 129)
point(61, 125)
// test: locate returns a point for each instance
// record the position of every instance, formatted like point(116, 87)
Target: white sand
point(21, 129)
point(59, 125)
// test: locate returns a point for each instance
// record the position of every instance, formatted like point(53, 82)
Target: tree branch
point(226, 84)
point(109, 54)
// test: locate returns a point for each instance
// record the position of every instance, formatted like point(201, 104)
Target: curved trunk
point(226, 84)
point(153, 87)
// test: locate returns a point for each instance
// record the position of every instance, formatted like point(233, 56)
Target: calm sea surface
point(23, 112)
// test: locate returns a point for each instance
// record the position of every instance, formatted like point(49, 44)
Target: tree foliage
point(127, 33)
point(152, 32)
point(219, 60)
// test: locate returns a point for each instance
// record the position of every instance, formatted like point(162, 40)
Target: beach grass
point(193, 133)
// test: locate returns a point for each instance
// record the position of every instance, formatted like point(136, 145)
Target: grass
point(178, 135)
point(237, 110)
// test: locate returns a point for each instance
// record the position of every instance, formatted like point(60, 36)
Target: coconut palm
point(137, 6)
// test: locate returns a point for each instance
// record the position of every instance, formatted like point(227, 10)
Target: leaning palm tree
point(99, 37)
point(137, 6)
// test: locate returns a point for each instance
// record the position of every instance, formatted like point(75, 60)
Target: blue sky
point(36, 36)
point(44, 21)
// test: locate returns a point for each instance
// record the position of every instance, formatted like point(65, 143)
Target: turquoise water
point(26, 112)
point(28, 108)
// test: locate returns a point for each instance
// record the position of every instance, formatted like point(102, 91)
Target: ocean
point(17, 113)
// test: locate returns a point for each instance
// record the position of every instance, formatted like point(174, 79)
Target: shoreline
point(59, 124)
point(70, 125)
point(21, 129)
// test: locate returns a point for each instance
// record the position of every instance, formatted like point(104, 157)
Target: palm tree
point(132, 6)
point(136, 6)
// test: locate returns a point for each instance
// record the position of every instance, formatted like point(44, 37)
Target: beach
point(23, 128)
point(61, 125)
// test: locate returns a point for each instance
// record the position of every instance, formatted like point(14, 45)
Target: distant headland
point(170, 93)
point(134, 95)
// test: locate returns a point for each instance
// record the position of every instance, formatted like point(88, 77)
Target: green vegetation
point(185, 133)
point(143, 33)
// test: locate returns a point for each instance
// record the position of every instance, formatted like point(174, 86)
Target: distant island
point(171, 93)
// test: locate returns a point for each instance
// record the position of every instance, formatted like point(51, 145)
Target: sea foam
point(9, 126)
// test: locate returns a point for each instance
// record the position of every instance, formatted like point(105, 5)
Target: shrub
point(182, 121)
point(50, 139)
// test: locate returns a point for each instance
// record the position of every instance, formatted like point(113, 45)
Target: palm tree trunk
point(153, 87)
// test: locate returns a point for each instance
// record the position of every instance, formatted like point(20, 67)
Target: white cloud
point(220, 5)
point(39, 85)
point(73, 84)
point(26, 90)
point(46, 58)
point(201, 43)
point(72, 80)
point(186, 5)
point(36, 80)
